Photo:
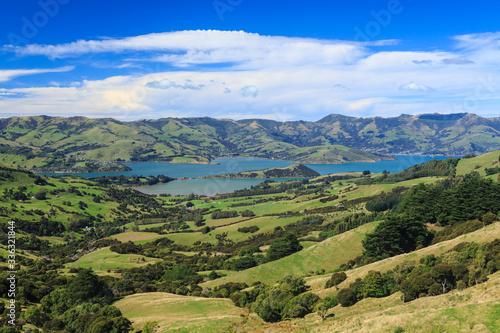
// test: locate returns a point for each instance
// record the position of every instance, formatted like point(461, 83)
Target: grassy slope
point(101, 260)
point(176, 313)
point(483, 161)
point(327, 255)
point(483, 235)
point(475, 309)
point(103, 208)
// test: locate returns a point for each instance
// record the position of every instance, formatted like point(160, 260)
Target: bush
point(247, 213)
point(336, 279)
point(435, 290)
point(224, 214)
point(329, 302)
point(283, 247)
point(250, 229)
point(346, 297)
point(41, 195)
point(300, 305)
point(489, 218)
point(244, 263)
point(178, 273)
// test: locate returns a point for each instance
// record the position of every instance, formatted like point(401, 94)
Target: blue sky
point(248, 59)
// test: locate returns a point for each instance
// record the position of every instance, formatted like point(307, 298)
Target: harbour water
point(234, 165)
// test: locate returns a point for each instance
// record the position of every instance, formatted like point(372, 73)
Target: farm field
point(181, 314)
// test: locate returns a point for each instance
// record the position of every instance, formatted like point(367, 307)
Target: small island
point(292, 171)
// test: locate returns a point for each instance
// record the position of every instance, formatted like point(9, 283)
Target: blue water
point(234, 165)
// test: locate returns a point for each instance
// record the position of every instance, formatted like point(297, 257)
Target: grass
point(327, 255)
point(468, 165)
point(136, 236)
point(475, 309)
point(103, 259)
point(483, 235)
point(176, 313)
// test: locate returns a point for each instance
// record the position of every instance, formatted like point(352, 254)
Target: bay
point(234, 165)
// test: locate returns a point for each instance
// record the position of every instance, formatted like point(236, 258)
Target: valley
point(200, 256)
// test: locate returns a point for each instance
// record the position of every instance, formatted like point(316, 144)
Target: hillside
point(292, 171)
point(30, 141)
point(257, 259)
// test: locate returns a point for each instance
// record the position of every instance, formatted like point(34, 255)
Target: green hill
point(327, 255)
point(175, 313)
point(292, 171)
point(36, 141)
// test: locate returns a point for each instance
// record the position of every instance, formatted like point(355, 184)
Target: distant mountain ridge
point(332, 139)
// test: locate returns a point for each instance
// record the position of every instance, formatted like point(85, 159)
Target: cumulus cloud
point(298, 78)
point(412, 86)
point(249, 91)
point(166, 83)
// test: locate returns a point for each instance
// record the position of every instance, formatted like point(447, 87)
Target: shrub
point(41, 195)
point(489, 218)
point(244, 263)
point(336, 279)
point(346, 297)
point(435, 290)
point(283, 247)
point(247, 213)
point(250, 229)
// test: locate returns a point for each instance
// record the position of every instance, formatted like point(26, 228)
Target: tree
point(394, 236)
point(283, 247)
point(244, 263)
point(300, 305)
point(33, 315)
point(415, 285)
point(85, 285)
point(443, 274)
point(41, 195)
point(336, 279)
point(374, 285)
point(489, 218)
point(149, 327)
point(178, 273)
point(247, 213)
point(346, 297)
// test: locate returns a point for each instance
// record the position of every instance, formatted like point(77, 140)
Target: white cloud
point(297, 78)
point(236, 48)
point(9, 74)
point(412, 86)
point(166, 83)
point(249, 91)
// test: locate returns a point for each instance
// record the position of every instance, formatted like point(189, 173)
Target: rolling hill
point(37, 140)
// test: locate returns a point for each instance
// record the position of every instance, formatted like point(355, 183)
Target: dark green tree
point(283, 247)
